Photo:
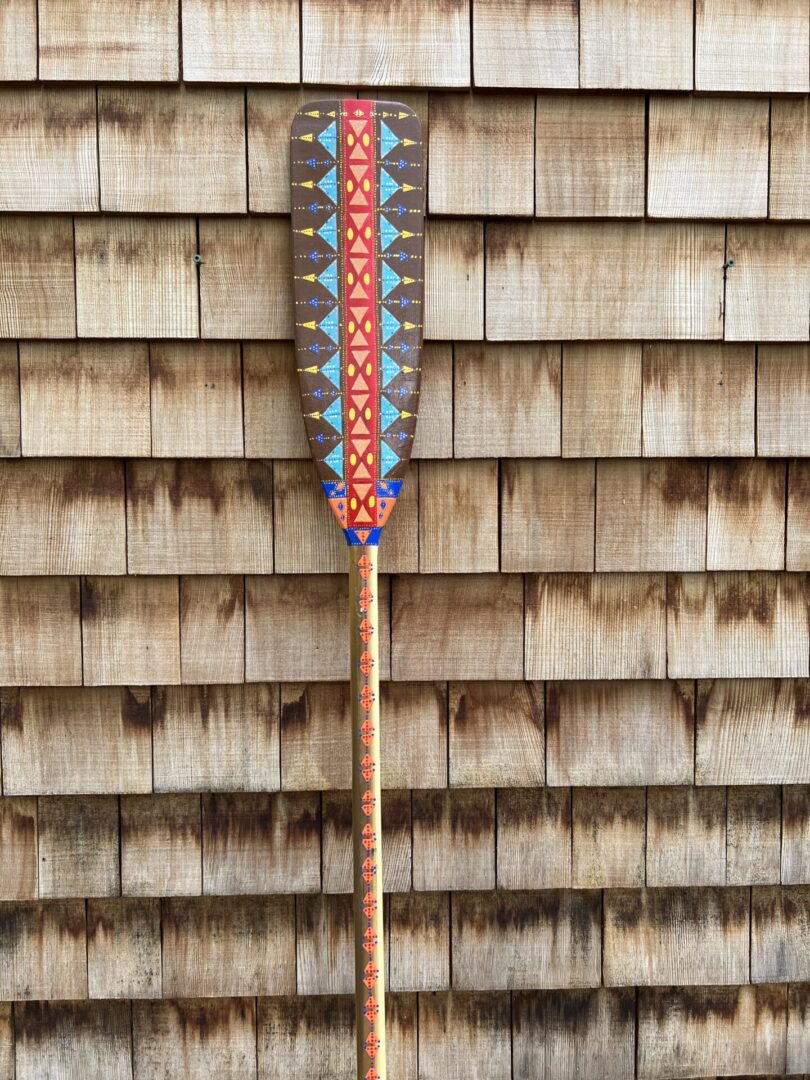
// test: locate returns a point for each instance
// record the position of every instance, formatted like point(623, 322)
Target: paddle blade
point(358, 229)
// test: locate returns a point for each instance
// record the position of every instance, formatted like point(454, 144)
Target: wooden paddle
point(357, 219)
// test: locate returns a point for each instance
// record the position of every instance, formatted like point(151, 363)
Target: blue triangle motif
point(331, 370)
point(388, 140)
point(328, 138)
point(335, 459)
point(329, 278)
point(331, 325)
point(388, 459)
point(389, 414)
point(328, 184)
point(390, 279)
point(390, 369)
point(388, 186)
point(334, 415)
point(388, 232)
point(328, 232)
point(390, 325)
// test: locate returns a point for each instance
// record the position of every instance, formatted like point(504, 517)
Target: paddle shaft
point(369, 942)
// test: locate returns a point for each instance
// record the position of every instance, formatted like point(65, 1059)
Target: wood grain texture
point(336, 855)
point(420, 941)
point(454, 271)
point(228, 946)
point(244, 278)
point(497, 736)
point(45, 950)
point(601, 400)
point(123, 948)
point(18, 40)
point(454, 839)
point(590, 156)
point(161, 853)
point(216, 738)
point(753, 732)
point(457, 626)
point(434, 430)
point(743, 45)
point(40, 633)
point(481, 155)
point(623, 733)
point(516, 941)
point(520, 43)
point(78, 846)
point(66, 1038)
point(569, 270)
point(754, 835)
point(85, 399)
point(795, 855)
point(650, 515)
point(609, 837)
point(595, 626)
point(199, 517)
point(680, 937)
point(119, 42)
point(9, 400)
point(533, 838)
point(686, 836)
point(506, 401)
point(780, 934)
point(737, 625)
point(130, 630)
point(480, 1023)
point(404, 45)
point(324, 943)
point(547, 515)
point(708, 157)
point(272, 405)
point(783, 400)
point(37, 277)
point(48, 149)
point(746, 516)
point(196, 1037)
point(789, 189)
point(248, 41)
point(172, 151)
point(7, 1040)
point(624, 46)
point(77, 741)
point(212, 629)
point(135, 277)
point(18, 849)
point(767, 287)
point(797, 550)
point(698, 400)
point(797, 1030)
point(458, 516)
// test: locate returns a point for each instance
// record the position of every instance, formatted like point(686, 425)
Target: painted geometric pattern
point(357, 217)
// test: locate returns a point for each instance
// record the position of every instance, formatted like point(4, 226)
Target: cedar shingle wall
point(597, 655)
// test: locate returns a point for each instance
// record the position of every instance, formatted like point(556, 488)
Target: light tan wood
point(650, 515)
point(9, 400)
point(85, 399)
point(78, 846)
point(624, 46)
point(212, 629)
point(336, 843)
point(480, 1023)
point(119, 41)
point(737, 625)
point(296, 627)
point(517, 941)
point(420, 941)
point(40, 634)
point(754, 835)
point(746, 516)
point(325, 945)
point(161, 852)
point(46, 952)
point(404, 45)
point(579, 626)
point(533, 838)
point(797, 550)
point(676, 937)
point(130, 630)
point(415, 717)
point(228, 946)
point(37, 277)
point(308, 539)
point(273, 424)
point(708, 157)
point(601, 733)
point(797, 1033)
point(752, 732)
point(506, 401)
point(481, 154)
point(7, 1039)
point(609, 837)
point(766, 288)
point(73, 741)
point(790, 158)
point(245, 286)
point(686, 836)
point(249, 41)
point(683, 1032)
point(783, 400)
point(261, 843)
point(18, 849)
point(590, 156)
point(454, 839)
point(601, 400)
point(458, 516)
point(558, 280)
point(172, 151)
point(780, 942)
point(18, 40)
point(48, 149)
point(497, 736)
point(699, 400)
point(434, 430)
point(520, 43)
point(579, 1033)
point(194, 1037)
point(62, 517)
point(135, 277)
point(457, 626)
point(795, 855)
point(52, 1036)
point(123, 948)
point(547, 515)
point(454, 273)
point(216, 738)
point(743, 45)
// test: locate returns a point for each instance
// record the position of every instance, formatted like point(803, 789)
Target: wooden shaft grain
point(366, 825)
